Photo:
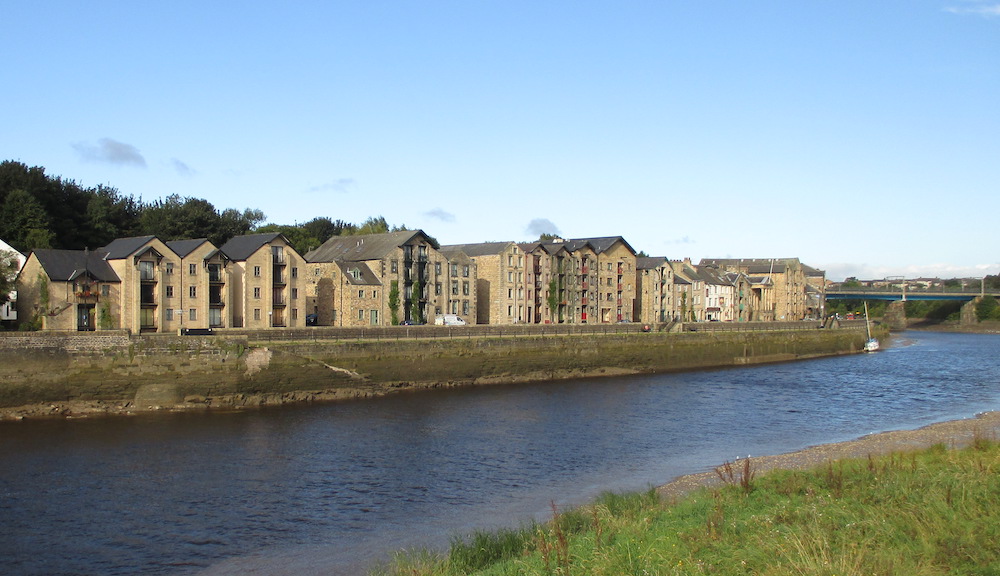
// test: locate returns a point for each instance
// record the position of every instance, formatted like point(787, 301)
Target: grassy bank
point(927, 512)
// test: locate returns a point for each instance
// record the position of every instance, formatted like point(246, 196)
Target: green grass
point(931, 512)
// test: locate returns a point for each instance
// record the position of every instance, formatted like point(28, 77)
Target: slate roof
point(599, 245)
point(121, 248)
point(367, 277)
point(242, 247)
point(480, 249)
point(67, 265)
point(184, 247)
point(649, 263)
point(363, 247)
point(752, 265)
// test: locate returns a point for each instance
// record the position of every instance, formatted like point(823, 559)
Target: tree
point(8, 272)
point(394, 301)
point(552, 298)
point(416, 310)
point(987, 309)
point(233, 223)
point(23, 222)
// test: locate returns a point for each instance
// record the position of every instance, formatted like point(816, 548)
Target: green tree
point(24, 223)
point(233, 223)
point(987, 309)
point(416, 310)
point(394, 301)
point(8, 272)
point(552, 298)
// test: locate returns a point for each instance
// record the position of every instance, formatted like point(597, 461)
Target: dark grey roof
point(752, 265)
point(367, 277)
point(185, 247)
point(598, 245)
point(124, 247)
point(480, 249)
point(363, 247)
point(67, 265)
point(648, 263)
point(242, 247)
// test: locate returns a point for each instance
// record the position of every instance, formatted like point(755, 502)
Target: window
point(295, 293)
point(192, 269)
point(510, 292)
point(394, 266)
point(465, 270)
point(169, 314)
point(437, 289)
point(295, 272)
point(374, 317)
point(361, 315)
point(145, 270)
point(256, 293)
point(316, 272)
point(454, 287)
point(170, 291)
point(193, 291)
point(454, 269)
point(374, 293)
point(437, 268)
point(295, 314)
point(256, 271)
point(465, 287)
point(105, 290)
point(361, 293)
point(256, 313)
point(465, 307)
point(170, 268)
point(193, 314)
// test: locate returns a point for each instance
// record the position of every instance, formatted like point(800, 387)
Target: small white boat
point(871, 345)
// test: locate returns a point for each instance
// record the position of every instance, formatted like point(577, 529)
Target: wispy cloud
point(110, 151)
point(539, 226)
point(340, 186)
point(440, 214)
point(682, 240)
point(182, 168)
point(976, 8)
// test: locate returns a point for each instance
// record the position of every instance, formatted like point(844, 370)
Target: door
point(85, 317)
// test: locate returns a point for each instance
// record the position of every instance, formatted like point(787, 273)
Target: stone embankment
point(74, 375)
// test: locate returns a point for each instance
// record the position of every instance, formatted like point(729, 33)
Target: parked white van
point(449, 320)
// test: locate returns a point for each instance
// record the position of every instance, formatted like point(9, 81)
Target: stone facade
point(264, 282)
point(381, 279)
point(501, 281)
point(655, 282)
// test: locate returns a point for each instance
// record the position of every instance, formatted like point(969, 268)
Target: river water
point(330, 489)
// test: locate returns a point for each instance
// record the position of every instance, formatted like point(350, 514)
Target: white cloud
point(439, 214)
point(110, 151)
point(839, 271)
point(340, 186)
point(989, 9)
point(182, 168)
point(539, 226)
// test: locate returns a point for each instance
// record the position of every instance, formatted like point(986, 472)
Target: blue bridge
point(863, 293)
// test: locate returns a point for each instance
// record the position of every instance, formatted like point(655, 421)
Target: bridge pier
point(895, 315)
point(968, 314)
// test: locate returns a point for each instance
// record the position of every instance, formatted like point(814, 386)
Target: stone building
point(63, 290)
point(264, 282)
point(501, 289)
point(655, 282)
point(384, 279)
point(781, 285)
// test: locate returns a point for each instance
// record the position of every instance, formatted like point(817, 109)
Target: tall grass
point(923, 513)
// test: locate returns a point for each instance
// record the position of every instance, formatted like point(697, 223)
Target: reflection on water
point(324, 489)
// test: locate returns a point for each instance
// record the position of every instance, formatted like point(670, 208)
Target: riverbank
point(886, 503)
point(74, 376)
point(952, 433)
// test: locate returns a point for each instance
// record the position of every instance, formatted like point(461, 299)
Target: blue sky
point(861, 136)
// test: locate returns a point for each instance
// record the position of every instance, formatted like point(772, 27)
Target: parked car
point(449, 320)
point(311, 319)
point(410, 323)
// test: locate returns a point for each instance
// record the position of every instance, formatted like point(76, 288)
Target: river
point(329, 489)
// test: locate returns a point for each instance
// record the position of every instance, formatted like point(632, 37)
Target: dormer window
point(356, 273)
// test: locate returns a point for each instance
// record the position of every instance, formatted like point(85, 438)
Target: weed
point(742, 477)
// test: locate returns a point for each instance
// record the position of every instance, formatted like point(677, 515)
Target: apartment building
point(501, 281)
point(264, 282)
point(655, 282)
point(382, 279)
point(781, 285)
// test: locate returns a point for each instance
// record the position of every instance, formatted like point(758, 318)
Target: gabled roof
point(598, 245)
point(649, 263)
point(752, 265)
point(481, 248)
point(185, 247)
point(242, 247)
point(365, 275)
point(121, 248)
point(67, 265)
point(364, 247)
point(454, 254)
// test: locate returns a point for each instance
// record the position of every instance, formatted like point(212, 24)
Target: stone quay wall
point(78, 373)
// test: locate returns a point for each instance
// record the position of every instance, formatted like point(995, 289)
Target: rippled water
point(328, 489)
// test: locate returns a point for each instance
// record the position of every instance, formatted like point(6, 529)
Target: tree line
point(42, 211)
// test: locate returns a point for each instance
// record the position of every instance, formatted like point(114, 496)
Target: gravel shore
point(954, 434)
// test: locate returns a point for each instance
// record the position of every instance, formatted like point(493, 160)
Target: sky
point(860, 136)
